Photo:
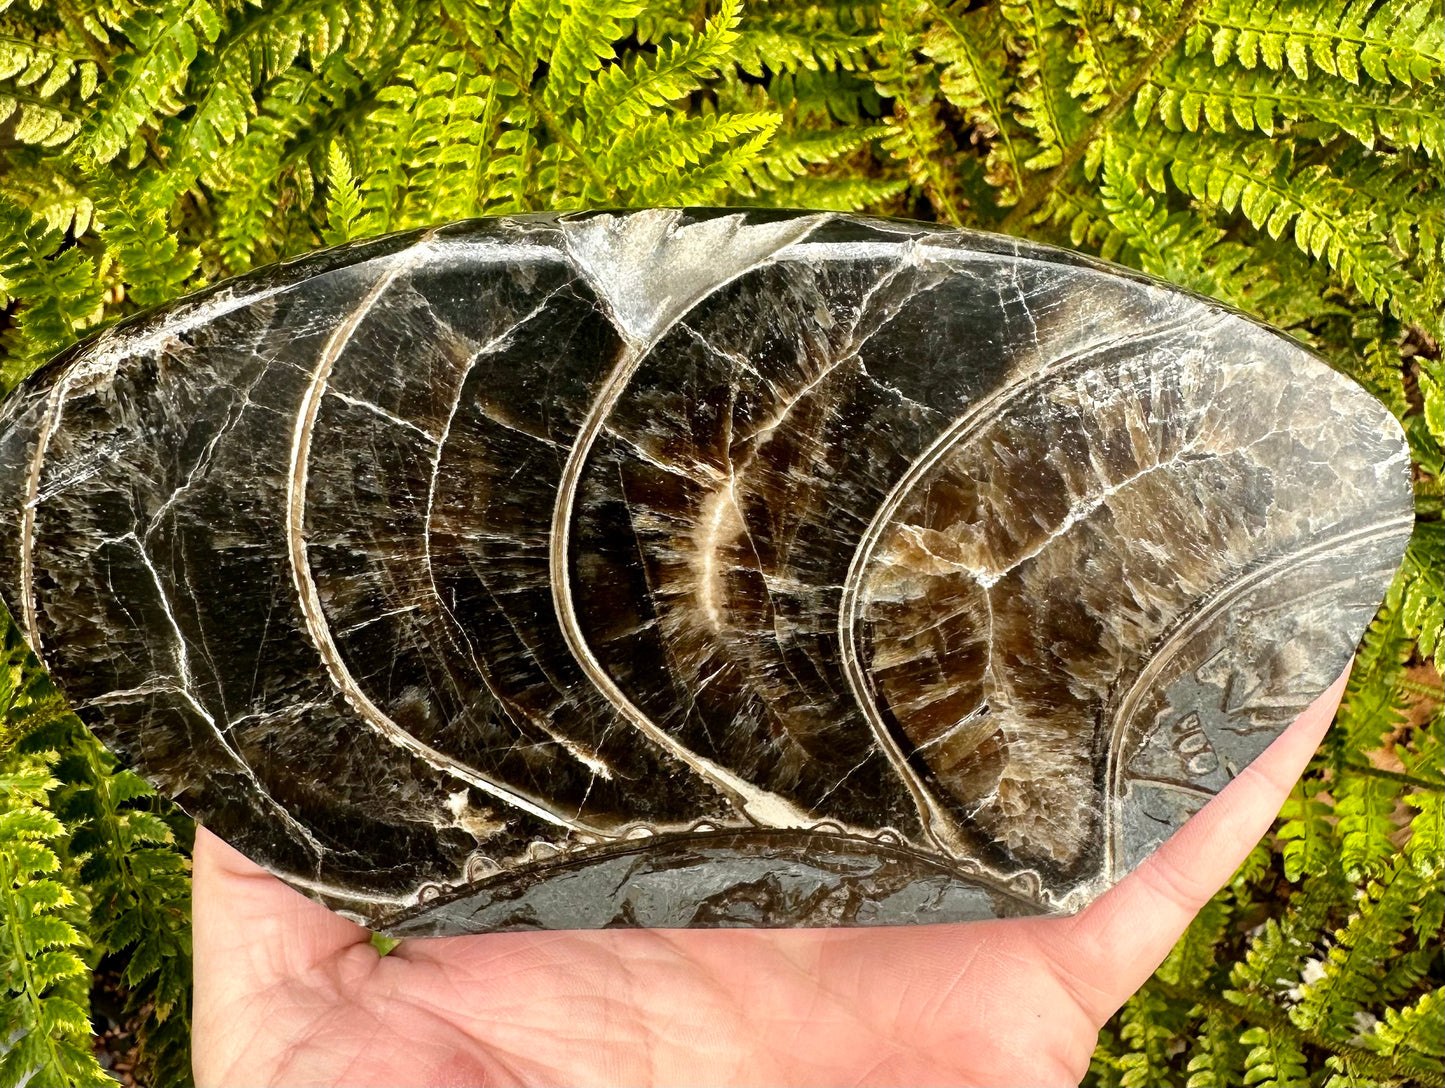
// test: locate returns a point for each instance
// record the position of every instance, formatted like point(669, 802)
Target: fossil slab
point(694, 568)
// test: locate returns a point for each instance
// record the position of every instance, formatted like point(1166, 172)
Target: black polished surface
point(694, 568)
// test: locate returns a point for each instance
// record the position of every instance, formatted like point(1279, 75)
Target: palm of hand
point(289, 993)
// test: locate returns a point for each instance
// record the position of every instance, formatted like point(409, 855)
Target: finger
point(1112, 947)
point(250, 926)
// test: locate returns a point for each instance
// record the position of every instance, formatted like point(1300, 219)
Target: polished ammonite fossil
point(686, 568)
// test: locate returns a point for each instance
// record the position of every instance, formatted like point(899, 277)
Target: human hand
point(287, 992)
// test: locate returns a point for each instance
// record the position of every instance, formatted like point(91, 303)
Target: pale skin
point(288, 993)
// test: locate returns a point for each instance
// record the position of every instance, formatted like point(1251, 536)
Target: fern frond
point(443, 113)
point(916, 134)
point(1267, 278)
point(1418, 1028)
point(791, 155)
point(1194, 94)
point(818, 97)
point(39, 121)
point(141, 894)
point(45, 981)
point(148, 80)
point(1274, 1059)
point(836, 194)
point(294, 126)
point(532, 27)
point(625, 93)
point(1220, 1055)
point(1328, 220)
point(1306, 837)
point(707, 158)
point(583, 43)
point(1194, 955)
point(660, 20)
point(1275, 956)
point(1365, 805)
point(1362, 955)
point(55, 196)
point(343, 202)
point(47, 82)
point(1097, 74)
point(1397, 39)
point(59, 288)
point(1422, 598)
point(972, 50)
point(789, 43)
point(509, 173)
point(141, 241)
point(1372, 704)
point(682, 147)
point(1039, 36)
point(46, 64)
point(1150, 1025)
point(256, 45)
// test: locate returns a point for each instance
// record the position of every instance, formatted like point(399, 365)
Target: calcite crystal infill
point(694, 568)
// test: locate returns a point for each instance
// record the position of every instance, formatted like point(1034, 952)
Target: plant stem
point(1041, 188)
point(1394, 776)
point(554, 127)
point(22, 957)
point(995, 109)
point(1425, 691)
point(1379, 1066)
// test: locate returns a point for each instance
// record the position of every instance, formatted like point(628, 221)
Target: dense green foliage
point(1282, 156)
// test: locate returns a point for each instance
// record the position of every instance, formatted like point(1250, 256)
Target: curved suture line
point(937, 823)
point(591, 760)
point(105, 355)
point(310, 597)
point(1225, 595)
point(87, 367)
point(760, 806)
point(53, 405)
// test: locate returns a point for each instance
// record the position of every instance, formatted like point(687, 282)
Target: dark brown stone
point(695, 568)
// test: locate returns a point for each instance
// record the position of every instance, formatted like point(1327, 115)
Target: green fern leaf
point(343, 205)
point(1039, 35)
point(141, 241)
point(972, 49)
point(1365, 805)
point(1220, 1055)
point(673, 146)
point(1306, 836)
point(1398, 39)
point(1328, 221)
point(147, 81)
point(622, 94)
point(1150, 1024)
point(58, 291)
point(1418, 1028)
point(792, 155)
point(1193, 94)
point(707, 159)
point(839, 194)
point(1364, 952)
point(45, 982)
point(790, 43)
point(916, 134)
point(585, 39)
point(1274, 1060)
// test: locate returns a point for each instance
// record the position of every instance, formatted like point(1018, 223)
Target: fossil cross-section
point(694, 568)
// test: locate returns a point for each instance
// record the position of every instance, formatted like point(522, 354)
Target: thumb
point(1111, 948)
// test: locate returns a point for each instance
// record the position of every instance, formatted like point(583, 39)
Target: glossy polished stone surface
point(694, 568)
